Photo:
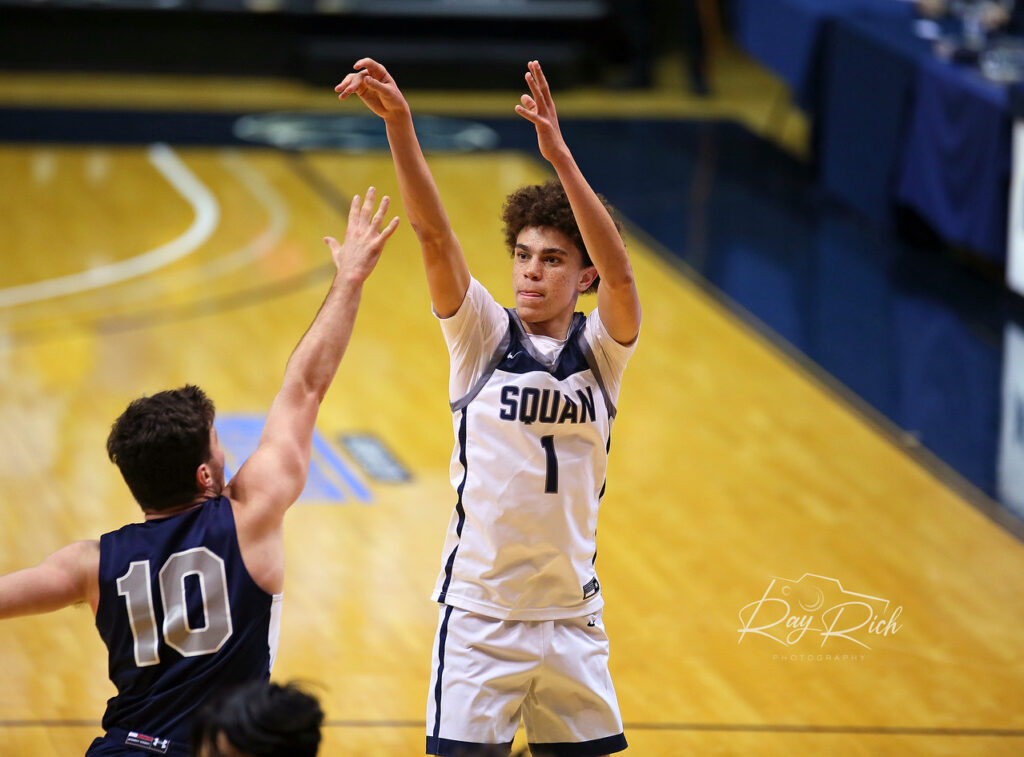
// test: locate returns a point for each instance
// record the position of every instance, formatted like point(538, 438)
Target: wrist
point(400, 116)
point(349, 280)
point(561, 158)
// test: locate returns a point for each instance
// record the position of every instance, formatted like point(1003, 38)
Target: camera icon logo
point(819, 608)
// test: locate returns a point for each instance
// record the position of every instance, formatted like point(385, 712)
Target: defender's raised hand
point(375, 87)
point(540, 111)
point(357, 256)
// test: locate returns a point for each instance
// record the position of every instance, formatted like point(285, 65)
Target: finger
point(531, 82)
point(542, 81)
point(538, 74)
point(353, 211)
point(376, 69)
point(530, 115)
point(388, 230)
point(368, 201)
point(332, 243)
point(377, 86)
point(349, 78)
point(378, 217)
point(528, 102)
point(344, 83)
point(351, 84)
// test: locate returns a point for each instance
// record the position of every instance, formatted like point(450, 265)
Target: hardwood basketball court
point(736, 471)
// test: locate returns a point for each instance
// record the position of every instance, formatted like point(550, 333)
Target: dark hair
point(261, 719)
point(547, 205)
point(159, 441)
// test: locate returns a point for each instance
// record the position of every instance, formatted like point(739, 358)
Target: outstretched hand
point(356, 257)
point(375, 87)
point(540, 111)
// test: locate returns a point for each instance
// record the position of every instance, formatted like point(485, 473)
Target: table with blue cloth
point(893, 124)
point(789, 36)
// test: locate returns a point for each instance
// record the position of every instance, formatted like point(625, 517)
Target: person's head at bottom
point(259, 719)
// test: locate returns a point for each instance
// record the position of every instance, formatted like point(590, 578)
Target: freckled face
point(547, 274)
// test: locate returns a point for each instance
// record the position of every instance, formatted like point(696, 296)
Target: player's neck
point(556, 328)
point(179, 509)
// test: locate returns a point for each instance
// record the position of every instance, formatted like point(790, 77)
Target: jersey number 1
point(551, 477)
point(134, 586)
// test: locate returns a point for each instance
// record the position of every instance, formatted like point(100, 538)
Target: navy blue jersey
point(181, 618)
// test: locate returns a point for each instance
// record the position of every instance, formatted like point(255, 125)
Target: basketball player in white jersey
point(533, 393)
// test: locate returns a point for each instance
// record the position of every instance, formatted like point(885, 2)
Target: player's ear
point(204, 477)
point(587, 277)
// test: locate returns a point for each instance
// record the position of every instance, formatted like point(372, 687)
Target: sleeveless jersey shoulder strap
point(588, 355)
point(496, 356)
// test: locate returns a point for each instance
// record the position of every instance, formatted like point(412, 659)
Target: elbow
point(315, 392)
point(307, 390)
point(431, 237)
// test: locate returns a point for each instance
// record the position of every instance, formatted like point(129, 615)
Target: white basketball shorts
point(489, 673)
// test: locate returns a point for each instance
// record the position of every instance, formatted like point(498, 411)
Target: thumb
point(332, 243)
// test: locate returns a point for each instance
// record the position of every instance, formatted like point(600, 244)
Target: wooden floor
point(734, 472)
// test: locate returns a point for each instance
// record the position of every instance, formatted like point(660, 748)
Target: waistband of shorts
point(175, 747)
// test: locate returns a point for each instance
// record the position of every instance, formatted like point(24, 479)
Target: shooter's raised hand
point(375, 87)
point(540, 111)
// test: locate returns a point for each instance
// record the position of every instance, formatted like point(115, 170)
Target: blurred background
point(823, 197)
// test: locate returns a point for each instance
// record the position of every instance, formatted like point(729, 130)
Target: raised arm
point(617, 299)
point(68, 576)
point(446, 268)
point(274, 475)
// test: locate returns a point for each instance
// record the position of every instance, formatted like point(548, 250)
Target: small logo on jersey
point(591, 587)
point(149, 743)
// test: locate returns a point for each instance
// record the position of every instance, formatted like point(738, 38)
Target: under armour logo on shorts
point(149, 743)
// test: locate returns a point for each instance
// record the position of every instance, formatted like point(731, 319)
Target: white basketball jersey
point(532, 435)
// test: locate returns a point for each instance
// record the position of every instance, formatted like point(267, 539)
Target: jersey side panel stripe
point(442, 638)
point(458, 508)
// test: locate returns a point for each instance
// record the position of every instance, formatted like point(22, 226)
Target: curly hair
point(547, 205)
point(159, 441)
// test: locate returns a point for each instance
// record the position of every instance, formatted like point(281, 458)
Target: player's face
point(547, 275)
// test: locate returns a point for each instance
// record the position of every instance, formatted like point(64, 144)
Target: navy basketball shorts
point(487, 674)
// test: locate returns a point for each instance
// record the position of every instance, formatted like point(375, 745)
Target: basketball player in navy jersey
point(533, 392)
point(188, 601)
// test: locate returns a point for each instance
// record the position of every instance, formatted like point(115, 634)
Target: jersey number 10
point(135, 587)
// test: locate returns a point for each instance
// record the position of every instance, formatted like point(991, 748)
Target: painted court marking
point(207, 216)
point(330, 479)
